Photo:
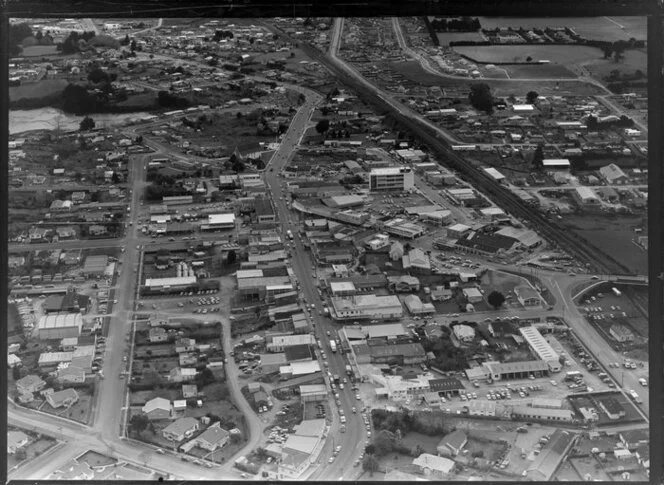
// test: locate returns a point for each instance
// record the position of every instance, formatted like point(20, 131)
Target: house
point(181, 429)
point(189, 391)
point(182, 374)
point(71, 374)
point(15, 441)
point(452, 444)
point(13, 360)
point(66, 397)
point(185, 345)
point(157, 408)
point(212, 438)
point(473, 295)
point(464, 333)
point(433, 466)
point(157, 334)
point(613, 174)
point(30, 384)
point(634, 438)
point(642, 454)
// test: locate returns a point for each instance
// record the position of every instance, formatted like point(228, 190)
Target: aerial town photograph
point(349, 249)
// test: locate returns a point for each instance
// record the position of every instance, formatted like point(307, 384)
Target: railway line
point(596, 259)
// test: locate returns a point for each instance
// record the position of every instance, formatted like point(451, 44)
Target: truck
point(349, 370)
point(570, 376)
point(333, 345)
point(336, 379)
point(616, 291)
point(289, 233)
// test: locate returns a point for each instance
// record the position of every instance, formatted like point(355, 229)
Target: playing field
point(595, 28)
point(556, 54)
point(37, 90)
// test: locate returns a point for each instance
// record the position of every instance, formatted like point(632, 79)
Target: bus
point(616, 291)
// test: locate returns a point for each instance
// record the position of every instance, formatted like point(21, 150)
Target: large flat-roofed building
point(391, 179)
point(277, 343)
point(342, 288)
point(95, 265)
point(52, 327)
point(404, 228)
point(516, 370)
point(543, 414)
point(166, 283)
point(366, 307)
point(541, 348)
point(402, 354)
point(313, 392)
point(221, 221)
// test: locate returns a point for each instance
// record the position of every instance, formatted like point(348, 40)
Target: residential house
point(185, 345)
point(157, 334)
point(181, 429)
point(452, 444)
point(16, 440)
point(634, 438)
point(66, 397)
point(157, 408)
point(212, 438)
point(71, 374)
point(434, 466)
point(30, 384)
point(75, 471)
point(13, 360)
point(182, 374)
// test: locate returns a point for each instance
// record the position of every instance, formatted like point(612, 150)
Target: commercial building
point(481, 408)
point(541, 348)
point(219, 221)
point(302, 448)
point(366, 307)
point(313, 392)
point(95, 266)
point(516, 370)
point(585, 196)
point(542, 414)
point(524, 237)
point(527, 296)
point(416, 307)
point(278, 343)
point(343, 201)
point(403, 228)
point(400, 354)
point(57, 327)
point(457, 230)
point(272, 362)
point(342, 288)
point(446, 386)
point(295, 369)
point(173, 284)
point(391, 179)
point(621, 333)
point(547, 462)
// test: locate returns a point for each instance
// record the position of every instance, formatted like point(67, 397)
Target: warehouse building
point(95, 266)
point(57, 327)
point(313, 392)
point(219, 221)
point(170, 284)
point(585, 196)
point(541, 348)
point(527, 296)
point(400, 354)
point(366, 307)
point(516, 370)
point(542, 414)
point(278, 343)
point(272, 362)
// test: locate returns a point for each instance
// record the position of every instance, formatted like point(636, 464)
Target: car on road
point(331, 460)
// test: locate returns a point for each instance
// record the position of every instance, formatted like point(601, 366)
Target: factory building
point(57, 327)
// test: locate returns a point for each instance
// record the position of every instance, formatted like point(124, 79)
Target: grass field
point(39, 50)
point(633, 60)
point(614, 237)
point(596, 28)
point(559, 54)
point(501, 87)
point(37, 90)
point(543, 71)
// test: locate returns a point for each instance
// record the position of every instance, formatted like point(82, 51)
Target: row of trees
point(482, 99)
point(463, 24)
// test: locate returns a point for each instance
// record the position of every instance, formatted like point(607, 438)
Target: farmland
point(597, 28)
point(559, 54)
point(539, 71)
point(37, 90)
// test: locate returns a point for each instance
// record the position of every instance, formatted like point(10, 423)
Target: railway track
point(572, 243)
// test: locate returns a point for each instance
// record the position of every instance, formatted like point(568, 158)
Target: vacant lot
point(543, 71)
point(596, 28)
point(428, 443)
point(39, 50)
point(37, 90)
point(94, 459)
point(559, 54)
point(613, 237)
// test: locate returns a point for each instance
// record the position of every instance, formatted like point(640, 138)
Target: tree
point(529, 59)
point(538, 157)
point(531, 97)
point(87, 124)
point(496, 299)
point(132, 46)
point(370, 464)
point(481, 98)
point(138, 423)
point(125, 41)
point(231, 257)
point(322, 126)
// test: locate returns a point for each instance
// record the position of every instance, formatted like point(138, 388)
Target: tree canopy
point(481, 98)
point(496, 299)
point(87, 124)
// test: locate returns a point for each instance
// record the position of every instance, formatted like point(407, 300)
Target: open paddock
point(558, 54)
point(595, 28)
